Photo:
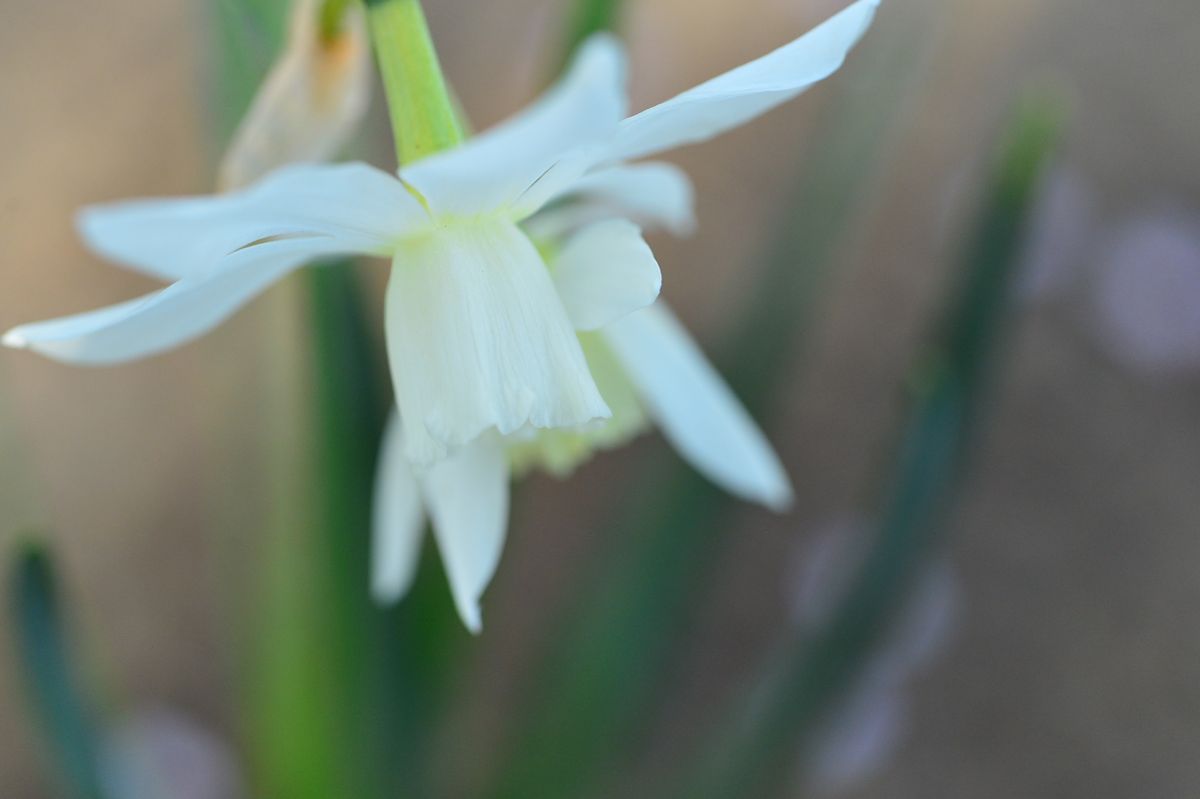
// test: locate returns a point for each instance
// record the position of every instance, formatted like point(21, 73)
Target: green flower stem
point(804, 681)
point(424, 119)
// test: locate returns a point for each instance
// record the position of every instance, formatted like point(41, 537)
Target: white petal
point(477, 338)
point(741, 94)
point(167, 318)
point(467, 497)
point(523, 162)
point(697, 411)
point(604, 272)
point(653, 194)
point(311, 102)
point(397, 520)
point(363, 208)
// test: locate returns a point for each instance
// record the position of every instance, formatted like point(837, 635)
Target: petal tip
point(780, 500)
point(682, 227)
point(15, 339)
point(384, 594)
point(603, 45)
point(86, 221)
point(471, 618)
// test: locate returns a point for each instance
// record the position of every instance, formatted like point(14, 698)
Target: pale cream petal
point(653, 194)
point(173, 316)
point(604, 272)
point(733, 99)
point(397, 521)
point(478, 339)
point(698, 413)
point(561, 451)
point(467, 497)
point(522, 163)
point(364, 208)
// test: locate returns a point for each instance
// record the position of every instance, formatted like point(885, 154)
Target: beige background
point(1075, 666)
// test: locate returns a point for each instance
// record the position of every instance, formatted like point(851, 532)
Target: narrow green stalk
point(53, 687)
point(803, 683)
point(602, 670)
point(422, 110)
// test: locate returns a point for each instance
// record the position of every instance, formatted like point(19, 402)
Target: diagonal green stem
point(805, 680)
point(424, 119)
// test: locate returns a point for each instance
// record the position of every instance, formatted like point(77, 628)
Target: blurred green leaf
point(47, 666)
point(393, 663)
point(610, 653)
point(320, 630)
point(249, 33)
point(807, 677)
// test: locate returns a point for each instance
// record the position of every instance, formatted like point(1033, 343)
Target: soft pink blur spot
point(1147, 292)
point(857, 743)
point(919, 630)
point(159, 752)
point(862, 733)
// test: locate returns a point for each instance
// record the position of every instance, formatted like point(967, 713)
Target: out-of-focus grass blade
point(44, 652)
point(807, 677)
point(319, 627)
point(394, 663)
point(598, 679)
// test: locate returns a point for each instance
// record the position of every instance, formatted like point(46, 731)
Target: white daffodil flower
point(311, 102)
point(478, 338)
point(647, 368)
point(644, 363)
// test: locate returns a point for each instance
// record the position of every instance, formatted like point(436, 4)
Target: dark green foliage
point(807, 677)
point(42, 646)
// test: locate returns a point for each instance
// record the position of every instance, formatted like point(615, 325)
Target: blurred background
point(1052, 651)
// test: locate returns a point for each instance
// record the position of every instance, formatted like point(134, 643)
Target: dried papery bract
point(310, 104)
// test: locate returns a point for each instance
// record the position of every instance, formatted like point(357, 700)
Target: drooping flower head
point(477, 336)
point(481, 333)
point(647, 369)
